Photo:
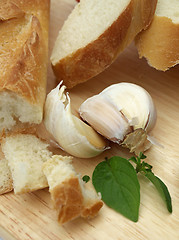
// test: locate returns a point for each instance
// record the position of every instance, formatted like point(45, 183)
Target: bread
point(5, 177)
point(159, 44)
point(26, 154)
point(70, 196)
point(94, 34)
point(23, 60)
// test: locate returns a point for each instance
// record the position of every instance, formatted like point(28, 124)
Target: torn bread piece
point(69, 194)
point(23, 61)
point(159, 44)
point(6, 183)
point(26, 154)
point(94, 34)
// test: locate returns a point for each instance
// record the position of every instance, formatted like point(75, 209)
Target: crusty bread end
point(70, 197)
point(68, 200)
point(23, 61)
point(159, 44)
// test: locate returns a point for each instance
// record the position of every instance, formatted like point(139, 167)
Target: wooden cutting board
point(31, 216)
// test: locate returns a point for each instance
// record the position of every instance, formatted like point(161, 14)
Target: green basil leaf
point(116, 180)
point(162, 189)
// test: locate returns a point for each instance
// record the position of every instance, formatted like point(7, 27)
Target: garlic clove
point(119, 110)
point(89, 133)
point(72, 134)
point(105, 118)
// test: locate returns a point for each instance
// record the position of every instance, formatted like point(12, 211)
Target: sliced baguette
point(94, 34)
point(26, 154)
point(69, 194)
point(159, 44)
point(23, 60)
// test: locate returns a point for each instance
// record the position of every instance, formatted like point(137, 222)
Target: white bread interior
point(159, 43)
point(26, 154)
point(14, 107)
point(94, 34)
point(169, 9)
point(69, 194)
point(76, 35)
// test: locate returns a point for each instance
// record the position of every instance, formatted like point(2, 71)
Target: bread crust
point(6, 183)
point(9, 10)
point(89, 61)
point(23, 62)
point(91, 209)
point(68, 200)
point(8, 188)
point(159, 44)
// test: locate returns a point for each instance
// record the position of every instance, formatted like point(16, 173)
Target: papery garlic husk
point(72, 134)
point(137, 141)
point(119, 110)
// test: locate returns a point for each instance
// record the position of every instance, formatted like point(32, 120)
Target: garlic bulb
point(119, 110)
point(71, 133)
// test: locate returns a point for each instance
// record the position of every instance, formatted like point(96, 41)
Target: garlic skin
point(126, 101)
point(72, 134)
point(134, 102)
point(137, 141)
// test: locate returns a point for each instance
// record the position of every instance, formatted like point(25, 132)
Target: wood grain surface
point(31, 216)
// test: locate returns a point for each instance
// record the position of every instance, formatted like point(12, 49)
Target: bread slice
point(94, 34)
point(6, 183)
point(26, 154)
point(159, 44)
point(23, 60)
point(69, 194)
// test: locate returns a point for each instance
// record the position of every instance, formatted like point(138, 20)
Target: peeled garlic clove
point(72, 134)
point(116, 108)
point(105, 118)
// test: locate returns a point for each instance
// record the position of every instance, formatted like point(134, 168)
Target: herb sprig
point(116, 180)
